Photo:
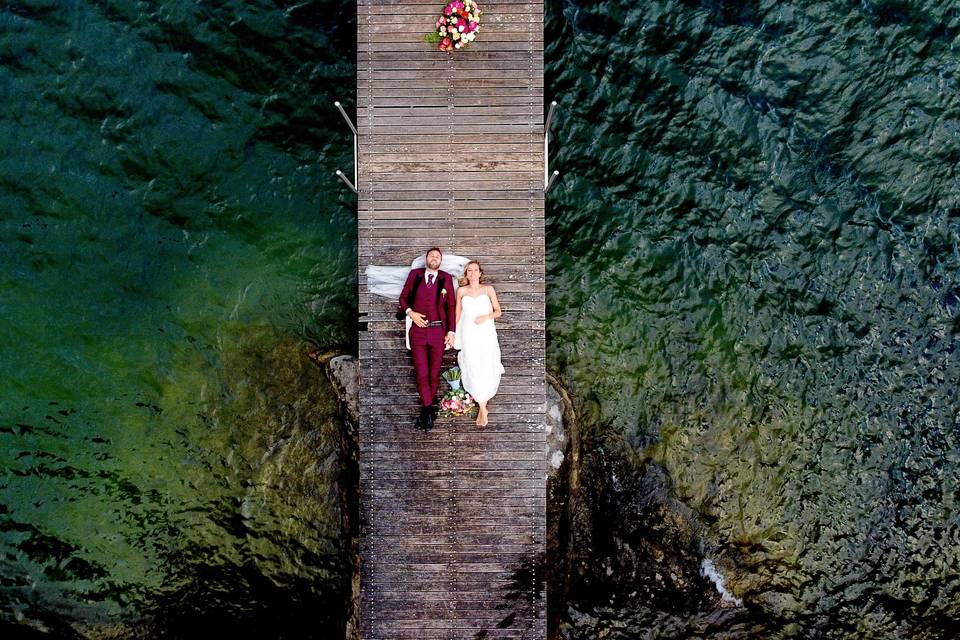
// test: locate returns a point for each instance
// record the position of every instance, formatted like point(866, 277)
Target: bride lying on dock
point(479, 357)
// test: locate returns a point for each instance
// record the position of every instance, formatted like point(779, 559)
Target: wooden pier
point(451, 153)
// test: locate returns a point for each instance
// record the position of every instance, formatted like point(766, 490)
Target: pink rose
point(447, 10)
point(471, 27)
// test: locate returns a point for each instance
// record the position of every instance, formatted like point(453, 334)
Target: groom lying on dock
point(428, 299)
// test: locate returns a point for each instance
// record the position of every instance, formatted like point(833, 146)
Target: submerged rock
point(631, 545)
point(343, 372)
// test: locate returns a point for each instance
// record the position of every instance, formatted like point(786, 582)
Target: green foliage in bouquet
point(456, 403)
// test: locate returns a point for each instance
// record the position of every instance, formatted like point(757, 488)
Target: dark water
point(754, 276)
point(754, 293)
point(172, 238)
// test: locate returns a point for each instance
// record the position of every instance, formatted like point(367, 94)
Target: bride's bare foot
point(482, 416)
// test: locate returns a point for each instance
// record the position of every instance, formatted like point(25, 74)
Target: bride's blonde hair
point(463, 281)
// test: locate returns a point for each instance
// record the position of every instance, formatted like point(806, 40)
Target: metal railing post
point(356, 182)
point(548, 178)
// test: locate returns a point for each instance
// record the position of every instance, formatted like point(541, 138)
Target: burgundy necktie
point(430, 280)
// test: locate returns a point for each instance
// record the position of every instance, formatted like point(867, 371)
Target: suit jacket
point(445, 301)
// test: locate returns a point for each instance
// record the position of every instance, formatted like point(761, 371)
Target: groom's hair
point(437, 249)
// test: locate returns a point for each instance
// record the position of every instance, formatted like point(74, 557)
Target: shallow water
point(753, 289)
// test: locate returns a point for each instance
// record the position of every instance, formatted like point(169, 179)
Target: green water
point(753, 263)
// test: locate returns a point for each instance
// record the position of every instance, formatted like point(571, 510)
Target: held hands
point(448, 340)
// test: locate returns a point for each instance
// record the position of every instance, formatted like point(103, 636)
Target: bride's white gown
point(479, 357)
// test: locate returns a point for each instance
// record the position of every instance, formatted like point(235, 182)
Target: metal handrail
point(548, 177)
point(353, 185)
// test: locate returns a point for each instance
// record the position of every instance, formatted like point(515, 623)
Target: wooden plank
point(402, 362)
point(466, 113)
point(441, 93)
point(532, 158)
point(459, 103)
point(393, 193)
point(519, 57)
point(412, 7)
point(524, 139)
point(383, 35)
point(422, 173)
point(400, 380)
point(427, 72)
point(475, 193)
point(406, 5)
point(491, 222)
point(441, 131)
point(439, 213)
point(496, 230)
point(402, 388)
point(521, 329)
point(465, 246)
point(416, 30)
point(385, 253)
point(454, 431)
point(505, 235)
point(444, 191)
point(382, 207)
point(527, 46)
point(489, 20)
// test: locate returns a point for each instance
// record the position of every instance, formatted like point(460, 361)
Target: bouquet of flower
point(452, 376)
point(457, 402)
point(457, 27)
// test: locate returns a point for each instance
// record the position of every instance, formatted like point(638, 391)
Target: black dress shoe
point(427, 417)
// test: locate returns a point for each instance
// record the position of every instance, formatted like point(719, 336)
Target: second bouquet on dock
point(452, 376)
point(456, 403)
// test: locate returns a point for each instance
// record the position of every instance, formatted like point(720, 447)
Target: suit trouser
point(426, 347)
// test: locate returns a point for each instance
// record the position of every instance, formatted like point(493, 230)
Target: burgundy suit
point(437, 302)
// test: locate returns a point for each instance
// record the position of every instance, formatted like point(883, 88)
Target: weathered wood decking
point(451, 154)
